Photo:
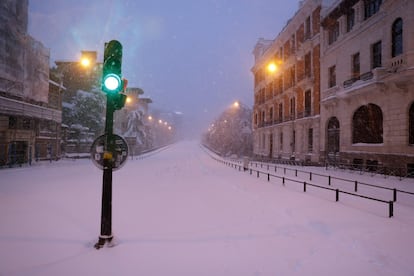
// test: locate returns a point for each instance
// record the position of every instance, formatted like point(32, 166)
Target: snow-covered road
point(179, 212)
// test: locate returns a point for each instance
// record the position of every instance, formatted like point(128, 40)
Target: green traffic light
point(111, 71)
point(112, 82)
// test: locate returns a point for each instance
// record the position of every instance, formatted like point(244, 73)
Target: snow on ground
point(179, 212)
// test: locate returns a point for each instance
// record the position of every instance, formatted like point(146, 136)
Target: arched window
point(367, 125)
point(411, 125)
point(397, 37)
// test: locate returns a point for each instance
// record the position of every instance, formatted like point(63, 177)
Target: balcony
point(397, 63)
point(304, 114)
point(367, 78)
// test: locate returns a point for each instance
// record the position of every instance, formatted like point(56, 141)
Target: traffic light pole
point(106, 211)
point(112, 85)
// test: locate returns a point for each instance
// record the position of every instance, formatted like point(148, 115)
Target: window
point(333, 33)
point(255, 119)
point(269, 91)
point(280, 112)
point(280, 84)
point(308, 103)
point(310, 140)
point(293, 44)
point(355, 66)
point(263, 140)
point(292, 108)
point(12, 122)
point(333, 136)
point(308, 28)
point(371, 7)
point(350, 20)
point(367, 125)
point(274, 87)
point(271, 114)
point(332, 76)
point(308, 70)
point(294, 141)
point(411, 125)
point(376, 55)
point(292, 76)
point(281, 141)
point(26, 123)
point(397, 37)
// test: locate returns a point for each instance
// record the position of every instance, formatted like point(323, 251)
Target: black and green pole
point(112, 85)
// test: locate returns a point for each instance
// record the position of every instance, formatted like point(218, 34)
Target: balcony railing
point(299, 115)
point(363, 77)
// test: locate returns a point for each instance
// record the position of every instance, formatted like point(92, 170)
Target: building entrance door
point(332, 147)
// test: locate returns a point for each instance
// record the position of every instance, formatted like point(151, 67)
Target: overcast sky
point(192, 56)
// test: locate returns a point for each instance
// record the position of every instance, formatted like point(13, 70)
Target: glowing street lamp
point(272, 67)
point(85, 62)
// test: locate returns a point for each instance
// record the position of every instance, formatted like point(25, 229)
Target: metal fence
point(329, 179)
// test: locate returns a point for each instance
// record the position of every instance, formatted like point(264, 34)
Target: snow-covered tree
point(231, 132)
point(86, 109)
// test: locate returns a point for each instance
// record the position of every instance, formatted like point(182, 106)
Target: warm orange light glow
point(128, 100)
point(85, 62)
point(150, 118)
point(272, 67)
point(236, 104)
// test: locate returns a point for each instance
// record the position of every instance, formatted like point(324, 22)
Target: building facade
point(367, 83)
point(30, 114)
point(286, 112)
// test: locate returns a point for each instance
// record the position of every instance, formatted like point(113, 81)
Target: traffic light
point(118, 100)
point(111, 76)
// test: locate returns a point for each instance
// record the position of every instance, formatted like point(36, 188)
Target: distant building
point(30, 110)
point(367, 83)
point(286, 112)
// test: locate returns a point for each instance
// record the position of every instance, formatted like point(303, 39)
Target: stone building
point(367, 83)
point(30, 116)
point(286, 110)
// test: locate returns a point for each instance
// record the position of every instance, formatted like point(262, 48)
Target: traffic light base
point(105, 241)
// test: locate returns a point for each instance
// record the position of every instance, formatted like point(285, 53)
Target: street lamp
point(272, 67)
point(85, 62)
